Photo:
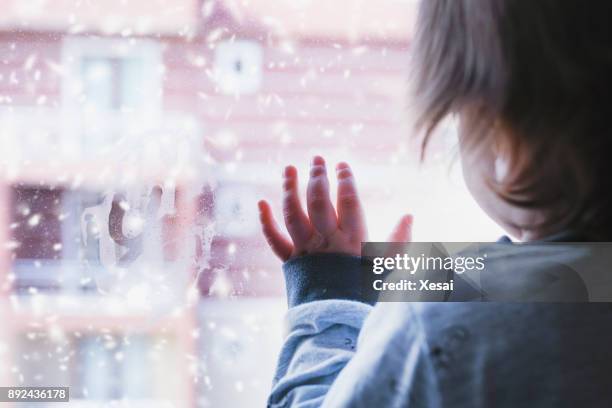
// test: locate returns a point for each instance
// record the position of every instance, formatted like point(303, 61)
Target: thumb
point(403, 230)
point(402, 233)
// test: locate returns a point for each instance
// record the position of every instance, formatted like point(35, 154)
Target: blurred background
point(135, 140)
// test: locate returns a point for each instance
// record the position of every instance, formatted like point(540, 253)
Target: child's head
point(530, 82)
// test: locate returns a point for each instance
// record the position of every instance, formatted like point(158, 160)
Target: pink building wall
point(320, 90)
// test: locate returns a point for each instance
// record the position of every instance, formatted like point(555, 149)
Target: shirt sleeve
point(327, 311)
point(321, 341)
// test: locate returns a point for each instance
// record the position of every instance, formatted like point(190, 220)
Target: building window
point(238, 67)
point(36, 223)
point(55, 248)
point(111, 87)
point(107, 368)
point(110, 75)
point(100, 366)
point(111, 84)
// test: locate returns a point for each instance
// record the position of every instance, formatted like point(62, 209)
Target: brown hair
point(543, 71)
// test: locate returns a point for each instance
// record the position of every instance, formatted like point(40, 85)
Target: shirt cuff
point(325, 276)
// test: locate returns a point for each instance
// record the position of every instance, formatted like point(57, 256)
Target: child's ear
point(501, 151)
point(501, 167)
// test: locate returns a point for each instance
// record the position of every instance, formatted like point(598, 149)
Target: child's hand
point(322, 230)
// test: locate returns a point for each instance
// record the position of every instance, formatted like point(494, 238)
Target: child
point(529, 82)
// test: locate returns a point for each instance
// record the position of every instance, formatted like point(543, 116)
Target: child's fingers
point(403, 230)
point(296, 219)
point(279, 244)
point(350, 213)
point(320, 209)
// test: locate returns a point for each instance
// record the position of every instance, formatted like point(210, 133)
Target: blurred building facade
point(137, 138)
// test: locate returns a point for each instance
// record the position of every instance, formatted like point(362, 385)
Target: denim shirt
point(342, 352)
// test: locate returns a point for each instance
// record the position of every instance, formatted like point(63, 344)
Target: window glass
point(135, 141)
